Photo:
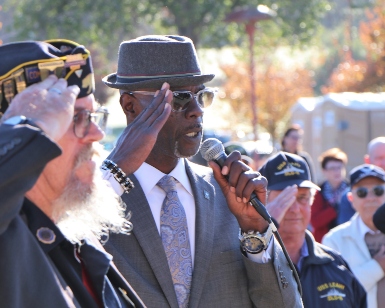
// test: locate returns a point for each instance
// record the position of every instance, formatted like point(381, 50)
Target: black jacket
point(29, 272)
point(327, 280)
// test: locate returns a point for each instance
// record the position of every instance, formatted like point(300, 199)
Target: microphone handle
point(254, 201)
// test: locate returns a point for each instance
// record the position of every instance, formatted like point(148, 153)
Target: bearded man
point(53, 203)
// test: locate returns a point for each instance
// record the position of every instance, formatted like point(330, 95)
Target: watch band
point(16, 120)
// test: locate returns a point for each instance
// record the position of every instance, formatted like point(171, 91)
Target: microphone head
point(211, 149)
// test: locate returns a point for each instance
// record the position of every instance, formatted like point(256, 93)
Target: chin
point(185, 152)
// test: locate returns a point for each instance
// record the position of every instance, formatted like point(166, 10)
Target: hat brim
point(371, 175)
point(299, 183)
point(156, 83)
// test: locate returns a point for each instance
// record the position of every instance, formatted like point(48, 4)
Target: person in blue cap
point(358, 240)
point(325, 276)
point(54, 205)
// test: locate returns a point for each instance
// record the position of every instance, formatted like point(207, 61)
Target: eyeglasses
point(182, 99)
point(335, 168)
point(304, 200)
point(82, 121)
point(362, 192)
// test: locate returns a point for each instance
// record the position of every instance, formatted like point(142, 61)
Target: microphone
point(212, 149)
point(379, 218)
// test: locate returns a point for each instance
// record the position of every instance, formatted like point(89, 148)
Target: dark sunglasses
point(362, 192)
point(82, 121)
point(182, 99)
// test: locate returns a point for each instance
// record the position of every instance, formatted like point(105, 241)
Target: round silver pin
point(45, 235)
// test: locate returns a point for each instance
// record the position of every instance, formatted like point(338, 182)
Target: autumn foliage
point(366, 75)
point(277, 91)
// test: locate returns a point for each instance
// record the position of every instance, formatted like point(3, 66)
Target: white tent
point(345, 120)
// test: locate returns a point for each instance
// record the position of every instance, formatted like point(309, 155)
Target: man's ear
point(129, 105)
point(367, 159)
point(349, 195)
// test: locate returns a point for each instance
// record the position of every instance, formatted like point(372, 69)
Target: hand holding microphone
point(241, 185)
point(250, 188)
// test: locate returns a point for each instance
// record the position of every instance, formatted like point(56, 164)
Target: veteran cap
point(286, 169)
point(28, 62)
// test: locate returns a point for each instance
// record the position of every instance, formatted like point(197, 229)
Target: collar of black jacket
point(318, 253)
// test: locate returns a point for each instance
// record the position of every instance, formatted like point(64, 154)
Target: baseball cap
point(286, 169)
point(364, 171)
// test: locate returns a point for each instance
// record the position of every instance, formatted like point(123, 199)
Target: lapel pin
point(206, 194)
point(45, 235)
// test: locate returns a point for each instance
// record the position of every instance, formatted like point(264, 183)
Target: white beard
point(85, 210)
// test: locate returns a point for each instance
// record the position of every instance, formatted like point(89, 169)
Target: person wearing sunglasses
point(185, 247)
point(54, 204)
point(358, 240)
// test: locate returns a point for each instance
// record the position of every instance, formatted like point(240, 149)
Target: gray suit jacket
point(222, 276)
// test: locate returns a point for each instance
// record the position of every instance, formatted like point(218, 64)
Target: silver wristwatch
point(20, 119)
point(254, 242)
point(15, 120)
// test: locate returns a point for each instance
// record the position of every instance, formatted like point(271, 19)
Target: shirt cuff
point(265, 255)
point(109, 177)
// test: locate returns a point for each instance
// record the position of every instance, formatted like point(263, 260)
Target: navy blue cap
point(364, 171)
point(286, 169)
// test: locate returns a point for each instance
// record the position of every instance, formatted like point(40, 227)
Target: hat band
point(121, 78)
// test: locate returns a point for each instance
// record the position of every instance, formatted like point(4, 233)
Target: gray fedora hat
point(148, 61)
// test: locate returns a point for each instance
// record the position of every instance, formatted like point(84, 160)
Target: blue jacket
point(327, 280)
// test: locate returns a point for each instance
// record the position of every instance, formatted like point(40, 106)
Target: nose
point(295, 206)
point(194, 110)
point(95, 133)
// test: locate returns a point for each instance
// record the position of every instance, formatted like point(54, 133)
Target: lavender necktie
point(175, 239)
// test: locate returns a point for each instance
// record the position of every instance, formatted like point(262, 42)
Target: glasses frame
point(365, 191)
point(175, 93)
point(91, 117)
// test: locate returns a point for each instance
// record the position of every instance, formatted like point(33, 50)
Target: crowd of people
point(146, 227)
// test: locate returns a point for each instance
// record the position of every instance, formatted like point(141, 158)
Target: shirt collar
point(363, 228)
point(304, 252)
point(148, 176)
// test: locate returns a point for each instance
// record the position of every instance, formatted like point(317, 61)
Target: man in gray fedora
point(185, 249)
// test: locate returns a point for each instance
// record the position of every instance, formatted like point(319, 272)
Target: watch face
point(253, 245)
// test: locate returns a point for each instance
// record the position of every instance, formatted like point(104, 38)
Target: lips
point(194, 131)
point(192, 135)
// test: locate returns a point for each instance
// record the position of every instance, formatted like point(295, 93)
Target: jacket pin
point(206, 194)
point(45, 235)
point(282, 277)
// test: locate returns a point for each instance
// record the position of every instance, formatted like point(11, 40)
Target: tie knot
point(167, 183)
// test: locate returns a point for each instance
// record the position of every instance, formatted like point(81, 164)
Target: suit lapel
point(149, 239)
point(204, 195)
